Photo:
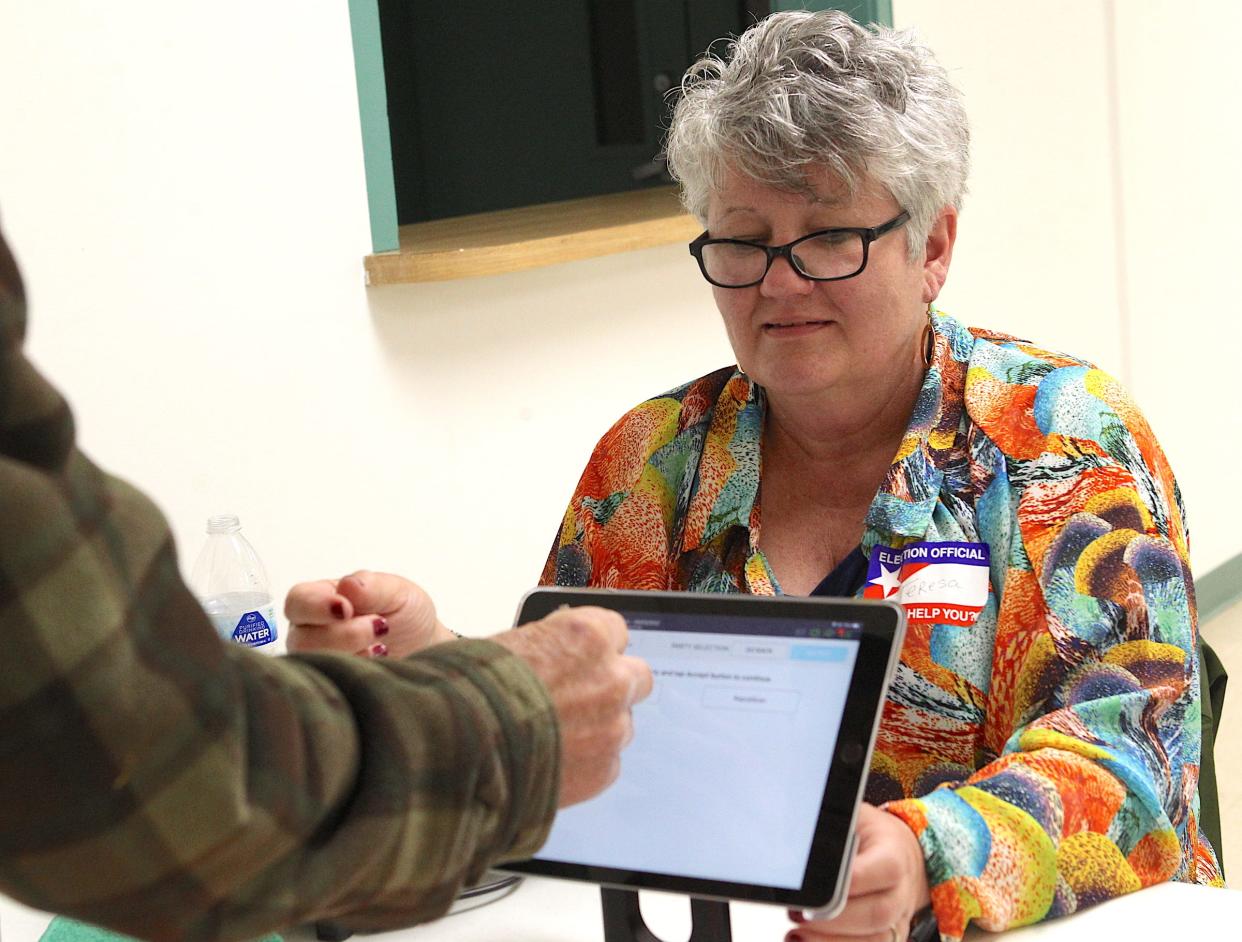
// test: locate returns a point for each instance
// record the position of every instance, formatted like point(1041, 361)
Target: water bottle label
point(255, 630)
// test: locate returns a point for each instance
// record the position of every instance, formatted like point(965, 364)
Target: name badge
point(944, 583)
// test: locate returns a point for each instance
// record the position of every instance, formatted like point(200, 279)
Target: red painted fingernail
point(380, 625)
point(379, 650)
point(338, 609)
point(794, 937)
point(797, 916)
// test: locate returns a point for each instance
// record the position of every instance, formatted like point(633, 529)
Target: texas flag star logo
point(888, 581)
point(884, 573)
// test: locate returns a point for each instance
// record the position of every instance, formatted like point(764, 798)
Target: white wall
point(1036, 251)
point(183, 186)
point(1182, 141)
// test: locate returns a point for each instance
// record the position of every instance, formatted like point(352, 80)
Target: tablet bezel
point(825, 878)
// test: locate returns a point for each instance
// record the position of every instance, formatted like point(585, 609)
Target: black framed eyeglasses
point(823, 255)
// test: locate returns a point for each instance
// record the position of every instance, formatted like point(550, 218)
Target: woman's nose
point(783, 281)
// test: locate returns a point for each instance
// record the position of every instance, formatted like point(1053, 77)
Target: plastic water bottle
point(231, 583)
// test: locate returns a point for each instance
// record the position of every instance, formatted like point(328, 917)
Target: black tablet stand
point(331, 932)
point(623, 920)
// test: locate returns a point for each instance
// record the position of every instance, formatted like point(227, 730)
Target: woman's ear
point(939, 253)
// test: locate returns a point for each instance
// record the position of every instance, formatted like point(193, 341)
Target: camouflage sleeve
point(159, 782)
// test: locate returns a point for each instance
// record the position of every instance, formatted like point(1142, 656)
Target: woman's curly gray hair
point(800, 91)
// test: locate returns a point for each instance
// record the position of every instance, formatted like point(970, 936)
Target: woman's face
point(798, 337)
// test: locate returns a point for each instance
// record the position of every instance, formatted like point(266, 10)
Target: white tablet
point(750, 756)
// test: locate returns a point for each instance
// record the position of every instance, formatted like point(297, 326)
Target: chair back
point(1212, 681)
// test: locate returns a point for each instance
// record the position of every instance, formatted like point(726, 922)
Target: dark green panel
point(616, 73)
point(864, 11)
point(396, 27)
point(710, 20)
point(495, 105)
point(505, 101)
point(676, 35)
point(492, 105)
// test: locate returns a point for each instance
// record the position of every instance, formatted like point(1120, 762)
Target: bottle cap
point(223, 523)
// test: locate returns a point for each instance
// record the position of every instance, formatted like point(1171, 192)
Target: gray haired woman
point(1039, 747)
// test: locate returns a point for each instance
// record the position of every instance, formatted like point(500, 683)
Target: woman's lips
point(794, 328)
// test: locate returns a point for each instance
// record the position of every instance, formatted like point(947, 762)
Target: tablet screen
point(726, 780)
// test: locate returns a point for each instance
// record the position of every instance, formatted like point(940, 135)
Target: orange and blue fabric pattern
point(1046, 752)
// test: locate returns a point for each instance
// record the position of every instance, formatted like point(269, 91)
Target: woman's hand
point(375, 614)
point(888, 885)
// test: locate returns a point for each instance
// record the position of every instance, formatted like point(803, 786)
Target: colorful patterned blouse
point(1040, 738)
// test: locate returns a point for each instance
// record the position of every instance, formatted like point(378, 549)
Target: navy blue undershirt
point(847, 578)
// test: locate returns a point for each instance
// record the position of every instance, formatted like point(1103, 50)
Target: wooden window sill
point(533, 236)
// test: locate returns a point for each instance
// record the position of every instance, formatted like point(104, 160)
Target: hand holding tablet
point(579, 654)
point(887, 886)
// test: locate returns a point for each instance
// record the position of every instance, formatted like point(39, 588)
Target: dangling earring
point(929, 339)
